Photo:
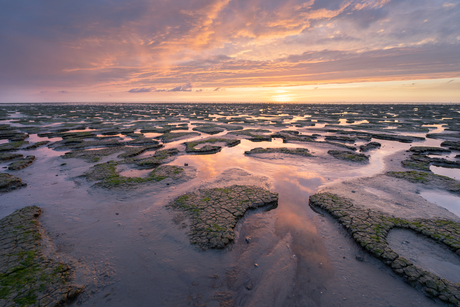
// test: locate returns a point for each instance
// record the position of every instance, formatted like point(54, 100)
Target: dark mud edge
point(291, 151)
point(370, 229)
point(9, 182)
point(27, 276)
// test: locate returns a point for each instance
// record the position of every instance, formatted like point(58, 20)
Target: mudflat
point(229, 205)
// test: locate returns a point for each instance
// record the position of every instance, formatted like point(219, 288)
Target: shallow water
point(453, 173)
point(130, 251)
point(425, 253)
point(444, 199)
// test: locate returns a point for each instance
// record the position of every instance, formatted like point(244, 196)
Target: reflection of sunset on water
point(211, 165)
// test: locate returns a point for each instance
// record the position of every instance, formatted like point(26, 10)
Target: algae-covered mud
point(229, 205)
point(215, 212)
point(27, 276)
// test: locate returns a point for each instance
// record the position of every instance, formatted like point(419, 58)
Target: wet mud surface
point(349, 156)
point(112, 179)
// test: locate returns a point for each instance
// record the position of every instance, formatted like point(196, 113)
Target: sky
point(230, 51)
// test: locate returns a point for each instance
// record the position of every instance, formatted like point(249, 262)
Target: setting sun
point(283, 98)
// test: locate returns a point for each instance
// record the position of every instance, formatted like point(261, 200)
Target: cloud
point(63, 92)
point(364, 17)
point(140, 90)
point(325, 65)
point(448, 5)
point(219, 89)
point(182, 88)
point(112, 46)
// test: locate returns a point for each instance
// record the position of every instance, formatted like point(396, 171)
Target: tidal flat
point(229, 205)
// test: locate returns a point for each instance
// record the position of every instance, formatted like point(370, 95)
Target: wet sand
point(127, 250)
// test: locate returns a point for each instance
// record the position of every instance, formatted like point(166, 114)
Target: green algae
point(108, 177)
point(27, 277)
point(349, 156)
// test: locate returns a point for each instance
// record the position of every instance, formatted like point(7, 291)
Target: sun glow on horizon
point(423, 91)
point(283, 98)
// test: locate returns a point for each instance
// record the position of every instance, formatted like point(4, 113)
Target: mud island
point(215, 212)
point(229, 205)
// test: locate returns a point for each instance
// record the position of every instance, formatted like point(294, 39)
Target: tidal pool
point(444, 171)
point(426, 253)
point(444, 199)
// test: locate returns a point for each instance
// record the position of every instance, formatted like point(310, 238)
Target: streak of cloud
point(140, 90)
point(182, 88)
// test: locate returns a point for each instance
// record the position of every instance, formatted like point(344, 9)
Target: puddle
point(450, 157)
point(426, 253)
point(33, 138)
point(125, 171)
point(435, 128)
point(94, 148)
point(453, 173)
point(444, 199)
point(151, 134)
